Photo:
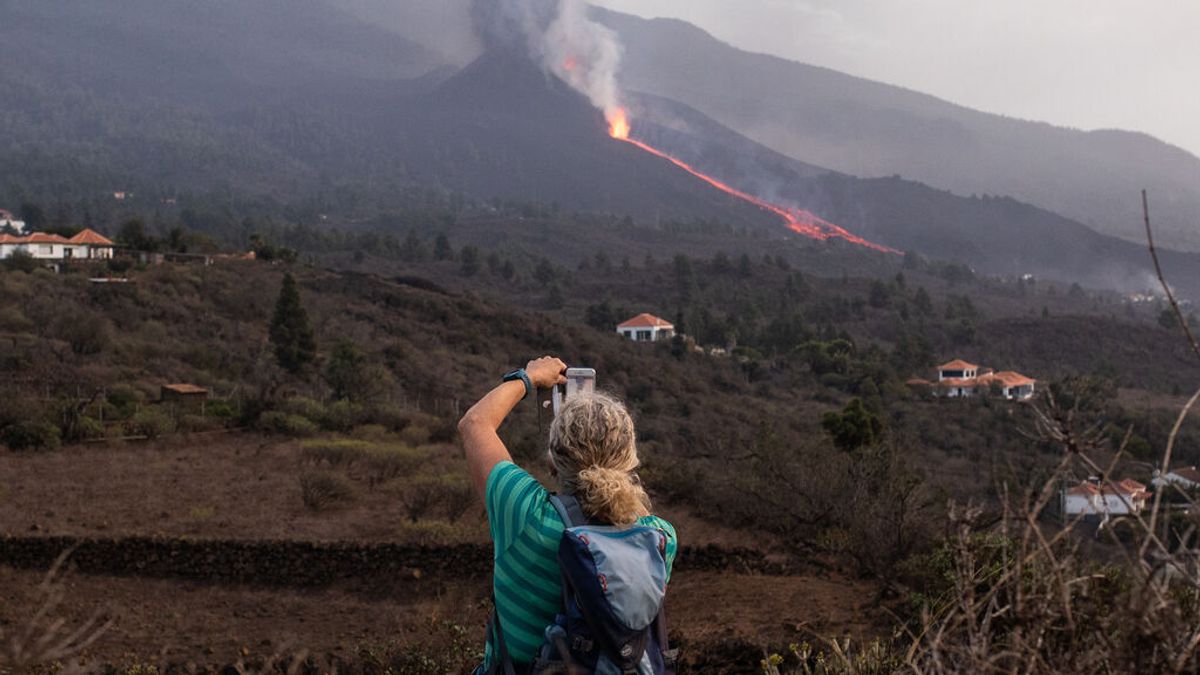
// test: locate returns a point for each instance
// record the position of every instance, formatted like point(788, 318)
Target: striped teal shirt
point(525, 531)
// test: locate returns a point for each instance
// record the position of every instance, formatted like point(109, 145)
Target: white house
point(1187, 478)
point(646, 328)
point(86, 245)
point(961, 378)
point(7, 219)
point(1091, 498)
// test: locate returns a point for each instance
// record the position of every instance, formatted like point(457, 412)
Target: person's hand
point(546, 372)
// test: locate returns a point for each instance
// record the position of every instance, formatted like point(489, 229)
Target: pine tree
point(291, 334)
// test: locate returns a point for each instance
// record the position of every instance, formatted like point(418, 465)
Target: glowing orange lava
point(798, 220)
point(618, 125)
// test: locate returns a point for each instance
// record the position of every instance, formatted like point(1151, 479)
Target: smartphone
point(579, 381)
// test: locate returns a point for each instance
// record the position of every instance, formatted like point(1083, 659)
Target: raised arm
point(479, 426)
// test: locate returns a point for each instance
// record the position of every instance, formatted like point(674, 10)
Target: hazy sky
point(1129, 64)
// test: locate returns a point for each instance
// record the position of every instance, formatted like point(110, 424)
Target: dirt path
point(171, 621)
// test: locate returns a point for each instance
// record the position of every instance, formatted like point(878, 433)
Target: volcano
point(502, 128)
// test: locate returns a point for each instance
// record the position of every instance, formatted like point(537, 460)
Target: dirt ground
point(242, 486)
point(246, 487)
point(166, 621)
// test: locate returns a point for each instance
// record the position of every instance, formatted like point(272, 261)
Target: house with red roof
point(646, 328)
point(1186, 477)
point(1094, 497)
point(960, 378)
point(86, 245)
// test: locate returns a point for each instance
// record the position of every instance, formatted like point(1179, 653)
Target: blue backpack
point(612, 622)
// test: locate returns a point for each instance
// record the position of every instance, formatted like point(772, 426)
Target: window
point(45, 249)
point(643, 336)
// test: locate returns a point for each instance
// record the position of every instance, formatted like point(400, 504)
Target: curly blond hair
point(594, 450)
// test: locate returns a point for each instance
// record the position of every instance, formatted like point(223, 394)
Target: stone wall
point(299, 563)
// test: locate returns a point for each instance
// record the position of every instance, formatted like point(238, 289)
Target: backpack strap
point(569, 510)
point(502, 663)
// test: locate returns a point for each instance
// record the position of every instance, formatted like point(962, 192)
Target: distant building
point(184, 396)
point(960, 378)
point(87, 245)
point(1094, 498)
point(646, 328)
point(1186, 477)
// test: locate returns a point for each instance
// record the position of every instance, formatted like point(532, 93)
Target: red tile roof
point(1128, 488)
point(644, 320)
point(958, 364)
point(1188, 473)
point(92, 237)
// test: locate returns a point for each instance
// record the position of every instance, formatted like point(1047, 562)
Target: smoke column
point(586, 55)
point(559, 35)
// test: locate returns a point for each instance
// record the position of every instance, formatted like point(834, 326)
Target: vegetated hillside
point(994, 235)
point(871, 129)
point(163, 98)
point(194, 103)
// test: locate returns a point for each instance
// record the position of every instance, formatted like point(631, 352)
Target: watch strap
point(521, 375)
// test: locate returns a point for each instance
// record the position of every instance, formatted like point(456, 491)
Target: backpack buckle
point(581, 644)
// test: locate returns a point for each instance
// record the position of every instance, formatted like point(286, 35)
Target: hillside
point(201, 106)
point(870, 129)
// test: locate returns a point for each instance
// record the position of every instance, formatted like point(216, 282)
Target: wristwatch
point(521, 375)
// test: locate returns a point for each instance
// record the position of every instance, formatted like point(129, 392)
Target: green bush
point(124, 399)
point(279, 422)
point(388, 463)
point(89, 428)
point(151, 423)
point(415, 434)
point(307, 408)
point(334, 452)
point(31, 436)
point(342, 416)
point(322, 489)
point(197, 423)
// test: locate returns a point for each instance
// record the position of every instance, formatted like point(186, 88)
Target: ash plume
point(558, 35)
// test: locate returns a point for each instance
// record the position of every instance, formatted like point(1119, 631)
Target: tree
point(442, 250)
point(470, 261)
point(1167, 319)
point(291, 333)
point(132, 234)
point(33, 215)
point(880, 297)
point(923, 302)
point(854, 428)
point(352, 377)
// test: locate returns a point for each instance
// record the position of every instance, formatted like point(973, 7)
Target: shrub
point(420, 497)
point(415, 434)
point(458, 497)
point(31, 436)
point(304, 407)
point(388, 463)
point(289, 425)
point(197, 423)
point(322, 489)
point(151, 423)
point(370, 432)
point(342, 416)
point(335, 453)
point(124, 399)
point(89, 428)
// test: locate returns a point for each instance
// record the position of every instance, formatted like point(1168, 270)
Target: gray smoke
point(559, 36)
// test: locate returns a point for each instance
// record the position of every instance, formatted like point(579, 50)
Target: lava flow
point(798, 220)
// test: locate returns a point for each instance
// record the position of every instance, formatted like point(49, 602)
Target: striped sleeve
point(512, 496)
